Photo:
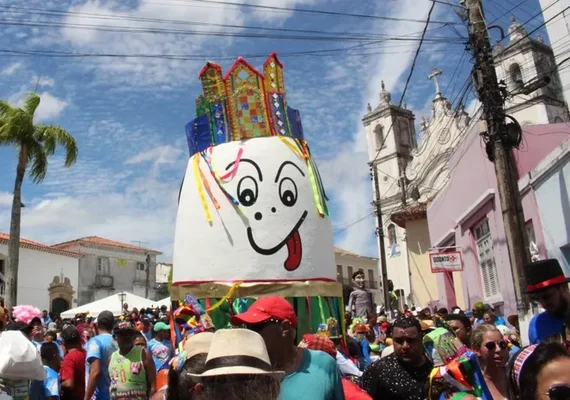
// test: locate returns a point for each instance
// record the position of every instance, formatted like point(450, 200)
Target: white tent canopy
point(111, 303)
point(164, 302)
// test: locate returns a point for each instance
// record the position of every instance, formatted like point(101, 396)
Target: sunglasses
point(261, 326)
point(559, 392)
point(493, 345)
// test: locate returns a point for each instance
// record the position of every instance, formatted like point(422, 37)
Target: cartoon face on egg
point(276, 232)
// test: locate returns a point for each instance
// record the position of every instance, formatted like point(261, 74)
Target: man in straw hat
point(275, 320)
point(238, 365)
point(548, 285)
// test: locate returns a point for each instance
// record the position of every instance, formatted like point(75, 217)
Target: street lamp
point(122, 297)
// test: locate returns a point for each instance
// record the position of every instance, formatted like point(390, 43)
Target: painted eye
point(247, 191)
point(288, 192)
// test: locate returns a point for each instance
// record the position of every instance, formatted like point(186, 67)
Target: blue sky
point(128, 114)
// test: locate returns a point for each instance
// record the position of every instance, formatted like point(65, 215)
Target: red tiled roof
point(410, 213)
point(107, 242)
point(29, 244)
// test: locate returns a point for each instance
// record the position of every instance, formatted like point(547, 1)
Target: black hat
point(543, 274)
point(19, 326)
point(105, 318)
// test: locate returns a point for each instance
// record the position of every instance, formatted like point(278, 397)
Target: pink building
point(467, 214)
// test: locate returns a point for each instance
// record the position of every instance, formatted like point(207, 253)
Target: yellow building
point(423, 282)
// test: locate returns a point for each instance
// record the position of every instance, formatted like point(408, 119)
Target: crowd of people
point(369, 356)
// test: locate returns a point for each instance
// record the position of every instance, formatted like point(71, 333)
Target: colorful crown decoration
point(243, 104)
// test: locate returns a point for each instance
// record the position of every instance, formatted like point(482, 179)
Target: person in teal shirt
point(317, 377)
point(310, 375)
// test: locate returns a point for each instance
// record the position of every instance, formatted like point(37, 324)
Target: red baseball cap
point(267, 308)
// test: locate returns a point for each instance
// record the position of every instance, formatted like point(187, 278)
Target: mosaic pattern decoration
point(243, 104)
point(250, 114)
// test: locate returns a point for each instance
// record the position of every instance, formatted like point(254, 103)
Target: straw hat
point(198, 344)
point(238, 352)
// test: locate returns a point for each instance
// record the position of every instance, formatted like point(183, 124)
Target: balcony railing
point(104, 281)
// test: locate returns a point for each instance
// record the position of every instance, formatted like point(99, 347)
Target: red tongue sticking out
point(295, 249)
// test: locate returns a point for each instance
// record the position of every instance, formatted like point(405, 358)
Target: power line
point(100, 16)
point(163, 31)
point(311, 11)
point(509, 11)
point(347, 226)
point(191, 57)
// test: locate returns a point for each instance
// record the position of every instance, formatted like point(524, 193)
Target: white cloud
point(117, 216)
point(50, 107)
point(5, 200)
point(42, 81)
point(11, 69)
point(346, 174)
point(89, 199)
point(154, 71)
point(159, 155)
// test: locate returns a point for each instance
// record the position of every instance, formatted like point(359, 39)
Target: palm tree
point(34, 144)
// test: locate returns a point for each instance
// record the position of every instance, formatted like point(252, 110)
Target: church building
point(412, 169)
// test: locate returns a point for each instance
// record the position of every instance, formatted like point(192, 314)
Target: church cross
point(433, 76)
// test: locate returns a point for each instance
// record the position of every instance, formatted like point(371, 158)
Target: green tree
point(34, 144)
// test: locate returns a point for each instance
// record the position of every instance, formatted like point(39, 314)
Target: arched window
point(516, 76)
point(392, 239)
point(379, 136)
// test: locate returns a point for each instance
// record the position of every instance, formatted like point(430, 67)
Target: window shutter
point(495, 288)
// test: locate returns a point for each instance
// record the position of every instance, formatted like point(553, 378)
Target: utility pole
point(501, 149)
point(380, 234)
point(147, 279)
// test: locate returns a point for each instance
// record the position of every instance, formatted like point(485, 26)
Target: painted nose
point(258, 216)
point(273, 209)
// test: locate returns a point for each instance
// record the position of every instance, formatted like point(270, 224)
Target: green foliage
point(35, 143)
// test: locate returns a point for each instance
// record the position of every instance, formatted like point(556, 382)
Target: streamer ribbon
point(226, 297)
point(293, 148)
point(198, 180)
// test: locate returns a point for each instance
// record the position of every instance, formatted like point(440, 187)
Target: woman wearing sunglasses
point(540, 372)
point(493, 354)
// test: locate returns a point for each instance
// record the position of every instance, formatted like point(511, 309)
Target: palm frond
point(31, 103)
point(52, 135)
point(39, 159)
point(5, 109)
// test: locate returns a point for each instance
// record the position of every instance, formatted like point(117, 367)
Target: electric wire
point(311, 11)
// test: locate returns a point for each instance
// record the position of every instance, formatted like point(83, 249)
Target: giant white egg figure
point(252, 208)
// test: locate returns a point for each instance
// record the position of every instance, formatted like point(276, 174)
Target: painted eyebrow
point(247, 160)
point(284, 164)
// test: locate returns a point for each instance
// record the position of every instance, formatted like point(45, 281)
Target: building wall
point(558, 32)
point(122, 267)
point(553, 197)
point(162, 272)
point(347, 264)
point(471, 197)
point(424, 282)
point(37, 270)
